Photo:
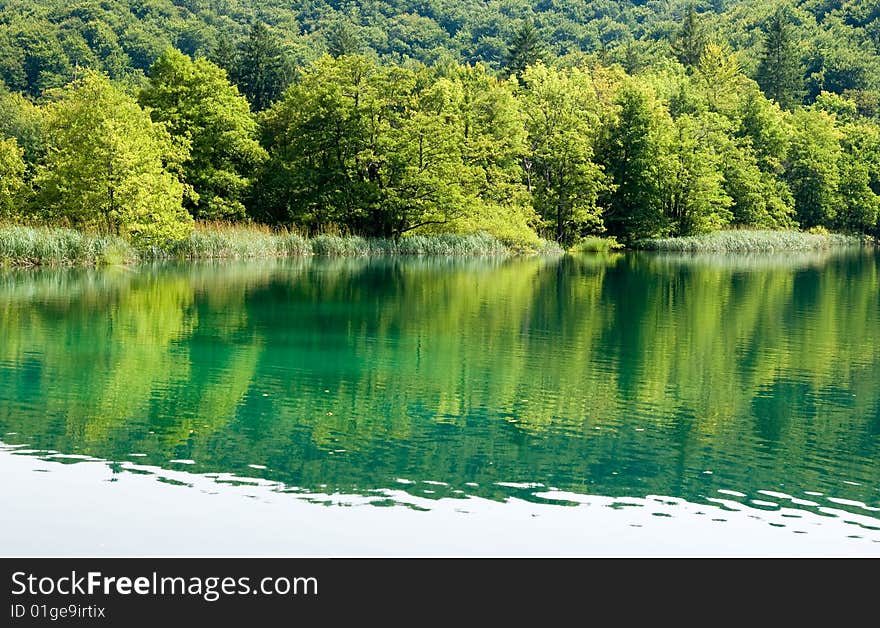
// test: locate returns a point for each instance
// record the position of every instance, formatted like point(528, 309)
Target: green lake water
point(745, 385)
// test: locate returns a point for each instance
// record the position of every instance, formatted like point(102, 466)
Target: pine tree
point(343, 39)
point(223, 53)
point(690, 40)
point(259, 70)
point(780, 73)
point(527, 48)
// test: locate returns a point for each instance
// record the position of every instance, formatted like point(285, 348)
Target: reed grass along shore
point(52, 246)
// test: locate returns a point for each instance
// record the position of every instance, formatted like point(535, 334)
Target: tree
point(106, 165)
point(814, 168)
point(718, 74)
point(690, 39)
point(780, 73)
point(343, 39)
point(562, 120)
point(22, 120)
point(526, 48)
point(494, 141)
point(260, 67)
point(223, 54)
point(690, 181)
point(765, 127)
point(200, 107)
point(414, 155)
point(373, 148)
point(389, 150)
point(39, 61)
point(315, 137)
point(12, 185)
point(859, 177)
point(631, 148)
point(837, 61)
point(759, 198)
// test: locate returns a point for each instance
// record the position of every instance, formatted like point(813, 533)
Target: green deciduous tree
point(368, 147)
point(759, 198)
point(22, 120)
point(859, 178)
point(765, 127)
point(105, 167)
point(814, 168)
point(630, 149)
point(202, 109)
point(562, 120)
point(316, 136)
point(385, 151)
point(719, 77)
point(415, 155)
point(12, 185)
point(492, 134)
point(689, 178)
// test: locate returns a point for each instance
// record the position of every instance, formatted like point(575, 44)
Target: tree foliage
point(526, 49)
point(690, 39)
point(637, 122)
point(632, 146)
point(106, 165)
point(562, 119)
point(386, 150)
point(260, 68)
point(12, 185)
point(780, 73)
point(205, 112)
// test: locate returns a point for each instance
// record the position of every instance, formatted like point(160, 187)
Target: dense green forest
point(555, 119)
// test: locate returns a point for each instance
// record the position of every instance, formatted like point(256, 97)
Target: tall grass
point(47, 246)
point(41, 246)
point(213, 241)
point(221, 241)
point(32, 246)
point(747, 241)
point(472, 245)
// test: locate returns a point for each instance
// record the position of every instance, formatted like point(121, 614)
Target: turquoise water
point(747, 384)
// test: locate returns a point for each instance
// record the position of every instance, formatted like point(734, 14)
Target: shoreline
point(24, 247)
point(753, 241)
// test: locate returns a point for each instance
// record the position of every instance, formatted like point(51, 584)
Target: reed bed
point(232, 242)
point(748, 241)
point(472, 245)
point(47, 246)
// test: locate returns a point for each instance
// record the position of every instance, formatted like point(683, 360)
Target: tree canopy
point(106, 165)
point(206, 113)
point(560, 122)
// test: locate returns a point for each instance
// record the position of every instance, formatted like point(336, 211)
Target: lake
point(631, 404)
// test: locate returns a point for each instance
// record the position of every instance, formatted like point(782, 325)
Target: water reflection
point(736, 381)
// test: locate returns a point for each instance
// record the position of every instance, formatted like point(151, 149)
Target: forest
point(559, 120)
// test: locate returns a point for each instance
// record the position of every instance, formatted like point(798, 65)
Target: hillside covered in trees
point(561, 119)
